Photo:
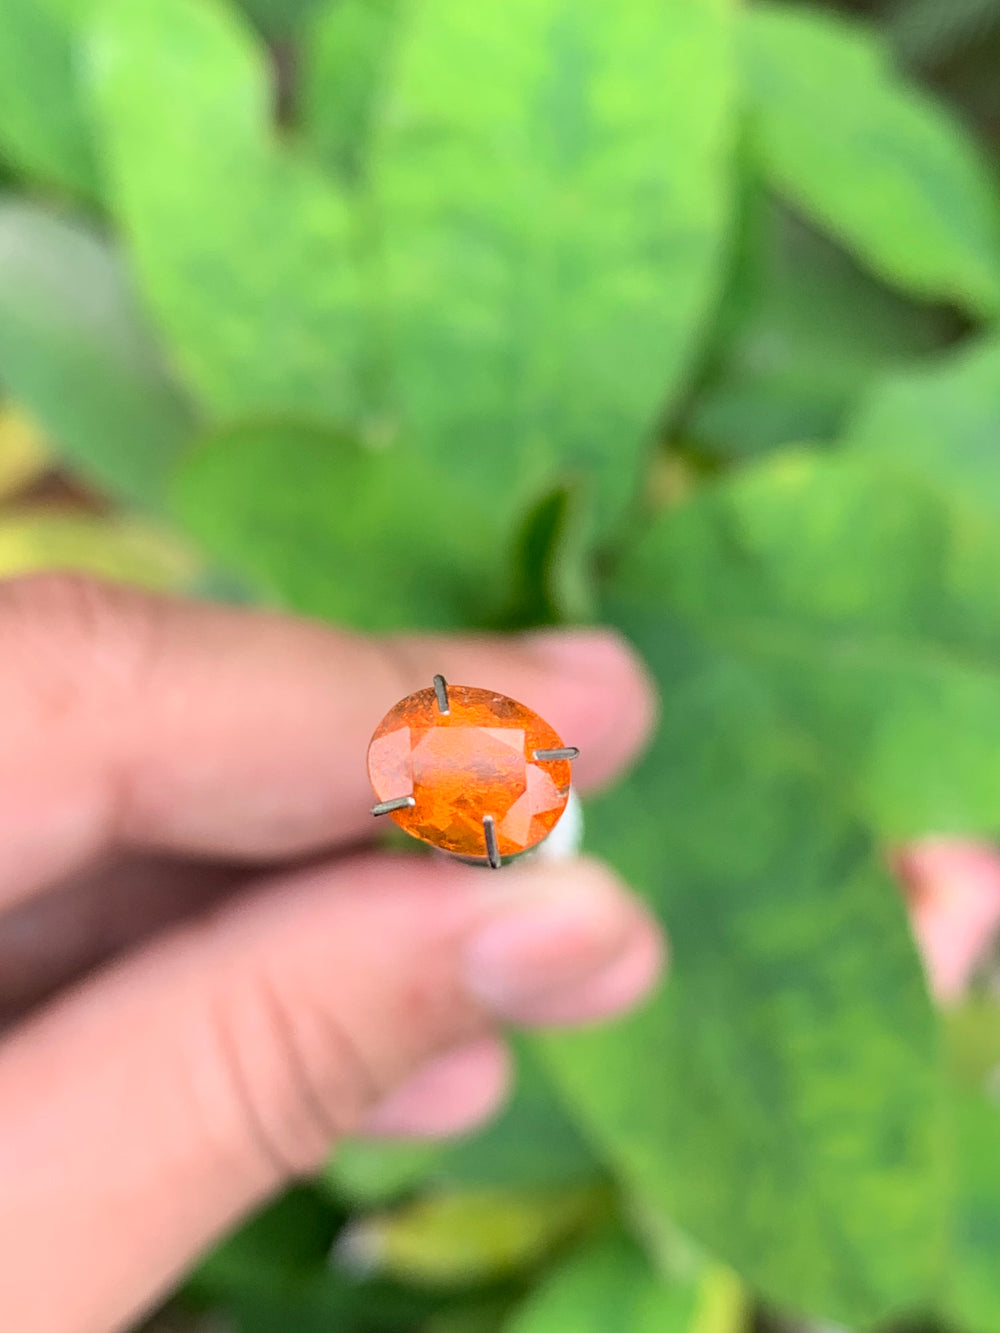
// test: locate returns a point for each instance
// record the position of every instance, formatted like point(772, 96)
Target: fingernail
point(580, 948)
point(450, 1094)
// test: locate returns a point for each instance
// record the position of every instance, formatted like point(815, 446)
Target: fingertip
point(621, 986)
point(570, 945)
point(953, 889)
point(607, 702)
point(450, 1094)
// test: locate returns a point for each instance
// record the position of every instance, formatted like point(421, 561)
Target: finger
point(185, 1085)
point(202, 729)
point(450, 1094)
point(53, 939)
point(953, 887)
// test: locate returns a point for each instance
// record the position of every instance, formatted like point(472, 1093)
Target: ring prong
point(441, 692)
point(492, 849)
point(564, 752)
point(397, 803)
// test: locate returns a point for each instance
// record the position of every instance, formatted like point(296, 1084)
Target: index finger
point(196, 728)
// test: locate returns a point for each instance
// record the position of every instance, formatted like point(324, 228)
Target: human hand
point(189, 1022)
point(952, 887)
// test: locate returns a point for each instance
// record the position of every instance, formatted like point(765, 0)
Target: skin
point(953, 890)
point(207, 976)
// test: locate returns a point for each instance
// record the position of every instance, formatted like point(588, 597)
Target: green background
point(679, 314)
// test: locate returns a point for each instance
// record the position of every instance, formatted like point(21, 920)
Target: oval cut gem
point(475, 760)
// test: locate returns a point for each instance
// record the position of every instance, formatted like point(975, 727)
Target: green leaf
point(551, 580)
point(243, 250)
point(926, 30)
point(785, 372)
point(279, 20)
point(942, 424)
point(778, 1099)
point(368, 1173)
point(344, 77)
point(44, 129)
point(322, 525)
point(552, 180)
point(274, 1275)
point(885, 168)
point(486, 1314)
point(76, 352)
point(292, 1235)
point(972, 1292)
point(819, 640)
point(609, 1284)
point(867, 605)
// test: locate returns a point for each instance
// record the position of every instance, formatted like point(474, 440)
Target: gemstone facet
point(475, 760)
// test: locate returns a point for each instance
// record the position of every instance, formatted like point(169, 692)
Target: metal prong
point(441, 690)
point(566, 752)
point(492, 850)
point(397, 803)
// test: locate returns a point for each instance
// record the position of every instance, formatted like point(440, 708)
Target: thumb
point(146, 1112)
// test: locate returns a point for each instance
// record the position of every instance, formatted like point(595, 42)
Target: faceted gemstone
point(474, 760)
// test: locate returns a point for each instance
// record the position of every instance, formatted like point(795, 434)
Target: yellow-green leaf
point(466, 1236)
point(23, 455)
point(114, 548)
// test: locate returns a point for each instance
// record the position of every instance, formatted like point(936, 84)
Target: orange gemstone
point(474, 760)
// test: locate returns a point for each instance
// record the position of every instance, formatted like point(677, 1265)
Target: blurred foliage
point(414, 313)
point(928, 30)
point(23, 456)
point(973, 1043)
point(462, 1236)
point(610, 1283)
point(78, 354)
point(889, 173)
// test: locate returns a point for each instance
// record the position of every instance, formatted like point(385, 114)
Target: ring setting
point(470, 771)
